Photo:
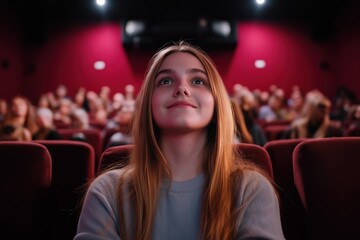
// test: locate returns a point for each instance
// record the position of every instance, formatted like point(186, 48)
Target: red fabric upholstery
point(293, 216)
point(327, 176)
point(73, 168)
point(118, 155)
point(277, 123)
point(97, 124)
point(93, 136)
point(25, 188)
point(256, 154)
point(275, 132)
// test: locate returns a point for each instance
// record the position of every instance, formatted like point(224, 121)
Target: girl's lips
point(180, 104)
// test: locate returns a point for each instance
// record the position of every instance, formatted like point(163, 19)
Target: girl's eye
point(198, 81)
point(166, 81)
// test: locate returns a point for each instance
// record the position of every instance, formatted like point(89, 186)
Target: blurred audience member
point(80, 99)
point(3, 109)
point(242, 134)
point(19, 122)
point(47, 130)
point(62, 113)
point(104, 96)
point(248, 104)
point(79, 119)
point(273, 110)
point(129, 101)
point(354, 118)
point(121, 120)
point(98, 113)
point(315, 121)
point(117, 102)
point(294, 105)
point(44, 102)
point(343, 101)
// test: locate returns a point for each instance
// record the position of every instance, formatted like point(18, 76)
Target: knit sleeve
point(99, 217)
point(258, 209)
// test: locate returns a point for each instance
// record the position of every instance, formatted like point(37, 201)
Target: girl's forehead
point(181, 59)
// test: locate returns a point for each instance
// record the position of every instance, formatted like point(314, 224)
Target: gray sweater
point(179, 210)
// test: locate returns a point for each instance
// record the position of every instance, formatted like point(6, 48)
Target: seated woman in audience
point(121, 122)
point(248, 107)
point(273, 110)
point(79, 119)
point(62, 113)
point(242, 134)
point(353, 121)
point(19, 122)
point(315, 121)
point(184, 179)
point(80, 99)
point(294, 105)
point(116, 104)
point(3, 109)
point(47, 130)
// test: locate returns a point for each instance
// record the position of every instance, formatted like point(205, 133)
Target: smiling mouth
point(181, 105)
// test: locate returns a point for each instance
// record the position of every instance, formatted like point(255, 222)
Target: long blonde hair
point(148, 166)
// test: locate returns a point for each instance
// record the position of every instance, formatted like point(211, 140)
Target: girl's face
point(182, 100)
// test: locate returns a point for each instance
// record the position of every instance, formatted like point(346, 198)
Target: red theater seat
point(25, 182)
point(327, 176)
point(117, 155)
point(256, 154)
point(275, 132)
point(73, 168)
point(293, 216)
point(93, 137)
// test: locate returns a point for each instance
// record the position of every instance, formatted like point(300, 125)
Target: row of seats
point(317, 181)
point(275, 130)
point(97, 139)
point(42, 184)
point(318, 184)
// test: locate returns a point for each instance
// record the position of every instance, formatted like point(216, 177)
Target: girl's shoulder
point(107, 181)
point(254, 178)
point(254, 183)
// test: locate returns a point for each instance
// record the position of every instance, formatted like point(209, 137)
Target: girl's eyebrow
point(192, 70)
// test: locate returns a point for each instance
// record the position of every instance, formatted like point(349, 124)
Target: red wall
point(68, 55)
point(69, 51)
point(11, 53)
point(349, 48)
point(292, 58)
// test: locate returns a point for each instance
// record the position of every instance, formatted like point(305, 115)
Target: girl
point(184, 180)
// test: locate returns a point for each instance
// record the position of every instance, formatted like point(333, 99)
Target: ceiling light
point(260, 2)
point(99, 65)
point(260, 64)
point(100, 2)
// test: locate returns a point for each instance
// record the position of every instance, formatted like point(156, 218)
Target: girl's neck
point(184, 154)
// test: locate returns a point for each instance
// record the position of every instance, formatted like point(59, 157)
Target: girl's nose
point(182, 91)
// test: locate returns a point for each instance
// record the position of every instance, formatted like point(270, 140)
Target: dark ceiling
point(54, 10)
point(38, 14)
